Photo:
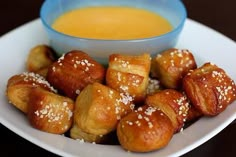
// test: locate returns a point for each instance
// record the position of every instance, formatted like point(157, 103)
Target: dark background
point(219, 15)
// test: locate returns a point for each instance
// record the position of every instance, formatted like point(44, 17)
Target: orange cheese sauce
point(112, 22)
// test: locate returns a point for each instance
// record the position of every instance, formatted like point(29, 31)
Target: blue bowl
point(173, 10)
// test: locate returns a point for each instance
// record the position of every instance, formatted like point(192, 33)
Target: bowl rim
point(166, 35)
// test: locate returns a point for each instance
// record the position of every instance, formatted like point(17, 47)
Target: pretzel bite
point(209, 89)
point(171, 66)
point(98, 109)
point(40, 57)
point(145, 129)
point(129, 74)
point(50, 112)
point(19, 88)
point(173, 103)
point(79, 134)
point(73, 71)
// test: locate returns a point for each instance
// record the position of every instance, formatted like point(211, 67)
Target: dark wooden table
point(219, 15)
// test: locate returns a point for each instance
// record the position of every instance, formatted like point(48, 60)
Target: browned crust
point(146, 129)
point(129, 74)
point(74, 71)
point(209, 89)
point(50, 112)
point(19, 88)
point(99, 108)
point(171, 66)
point(40, 57)
point(173, 103)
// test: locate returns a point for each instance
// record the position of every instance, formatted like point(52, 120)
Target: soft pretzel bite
point(40, 57)
point(173, 103)
point(129, 74)
point(19, 88)
point(73, 71)
point(50, 112)
point(78, 134)
point(98, 109)
point(171, 66)
point(145, 129)
point(209, 89)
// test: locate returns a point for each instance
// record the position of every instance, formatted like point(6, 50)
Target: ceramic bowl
point(173, 10)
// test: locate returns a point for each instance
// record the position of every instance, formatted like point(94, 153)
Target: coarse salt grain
point(140, 116)
point(149, 111)
point(36, 78)
point(77, 91)
point(150, 125)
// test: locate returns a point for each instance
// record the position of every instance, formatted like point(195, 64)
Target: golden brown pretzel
point(173, 103)
point(209, 89)
point(74, 71)
point(129, 74)
point(50, 112)
point(39, 59)
point(171, 66)
point(19, 88)
point(145, 129)
point(98, 109)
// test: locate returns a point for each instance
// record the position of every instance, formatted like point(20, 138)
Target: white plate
point(206, 45)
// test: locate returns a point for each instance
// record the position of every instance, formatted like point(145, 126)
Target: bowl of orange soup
point(103, 27)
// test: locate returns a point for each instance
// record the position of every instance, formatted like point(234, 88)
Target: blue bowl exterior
point(173, 10)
